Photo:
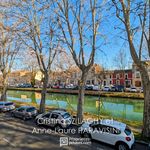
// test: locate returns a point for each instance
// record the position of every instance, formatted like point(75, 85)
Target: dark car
point(24, 85)
point(120, 88)
point(6, 106)
point(25, 112)
point(27, 85)
point(113, 89)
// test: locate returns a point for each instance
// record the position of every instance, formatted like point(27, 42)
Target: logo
point(73, 141)
point(63, 141)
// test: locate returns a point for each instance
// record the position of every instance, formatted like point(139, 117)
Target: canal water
point(130, 109)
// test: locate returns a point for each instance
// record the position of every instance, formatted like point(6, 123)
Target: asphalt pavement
point(16, 134)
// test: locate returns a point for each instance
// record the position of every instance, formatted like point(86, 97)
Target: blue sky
point(117, 39)
point(113, 43)
point(109, 37)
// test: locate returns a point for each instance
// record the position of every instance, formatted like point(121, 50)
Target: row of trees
point(44, 27)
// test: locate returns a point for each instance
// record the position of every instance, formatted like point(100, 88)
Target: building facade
point(96, 76)
point(137, 81)
point(122, 77)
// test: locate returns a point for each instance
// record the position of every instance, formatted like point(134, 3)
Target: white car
point(110, 132)
point(55, 118)
point(141, 90)
point(6, 106)
point(96, 87)
point(133, 89)
point(70, 86)
point(106, 88)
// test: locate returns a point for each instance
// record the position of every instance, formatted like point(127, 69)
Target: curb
point(143, 143)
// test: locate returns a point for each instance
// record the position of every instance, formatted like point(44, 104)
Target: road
point(16, 134)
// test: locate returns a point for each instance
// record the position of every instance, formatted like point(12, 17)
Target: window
point(137, 75)
point(31, 109)
point(104, 83)
point(106, 129)
point(127, 131)
point(112, 130)
point(117, 76)
point(88, 82)
point(117, 82)
point(66, 115)
point(54, 116)
point(21, 109)
point(93, 82)
point(126, 76)
point(138, 83)
point(104, 76)
point(46, 115)
point(127, 83)
point(8, 104)
point(95, 126)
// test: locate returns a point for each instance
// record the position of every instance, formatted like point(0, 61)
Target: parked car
point(141, 90)
point(20, 86)
point(96, 88)
point(25, 112)
point(24, 85)
point(6, 106)
point(27, 85)
point(55, 86)
point(56, 118)
point(133, 89)
point(110, 132)
point(127, 89)
point(61, 86)
point(106, 88)
point(113, 89)
point(70, 86)
point(36, 86)
point(75, 87)
point(89, 87)
point(120, 88)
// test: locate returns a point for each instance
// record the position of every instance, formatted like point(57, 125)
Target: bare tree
point(138, 31)
point(38, 34)
point(63, 61)
point(9, 45)
point(79, 22)
point(120, 60)
point(63, 65)
point(29, 62)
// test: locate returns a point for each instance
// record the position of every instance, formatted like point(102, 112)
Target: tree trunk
point(146, 115)
point(33, 79)
point(80, 109)
point(43, 94)
point(4, 88)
